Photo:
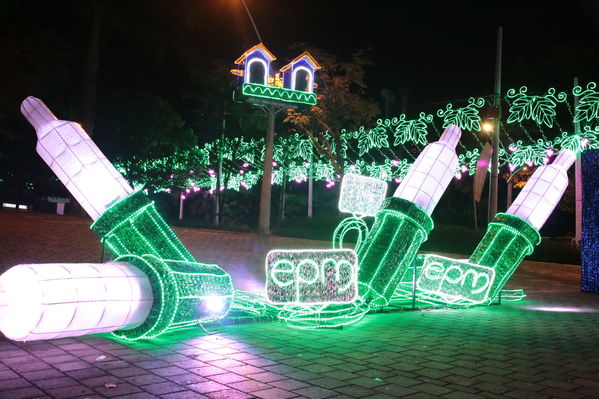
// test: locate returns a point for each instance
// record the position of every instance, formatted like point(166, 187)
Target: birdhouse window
point(257, 71)
point(302, 79)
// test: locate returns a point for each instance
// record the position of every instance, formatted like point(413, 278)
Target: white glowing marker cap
point(543, 191)
point(432, 171)
point(75, 159)
point(57, 300)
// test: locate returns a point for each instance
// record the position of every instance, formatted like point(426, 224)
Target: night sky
point(432, 51)
point(151, 53)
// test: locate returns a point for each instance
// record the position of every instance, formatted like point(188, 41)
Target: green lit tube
point(400, 227)
point(185, 294)
point(132, 226)
point(507, 241)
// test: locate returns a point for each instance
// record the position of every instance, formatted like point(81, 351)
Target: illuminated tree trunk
point(265, 191)
point(282, 202)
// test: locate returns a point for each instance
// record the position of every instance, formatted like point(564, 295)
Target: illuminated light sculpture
point(589, 250)
point(403, 222)
point(185, 294)
point(454, 282)
point(56, 300)
point(141, 297)
point(311, 276)
point(278, 94)
point(466, 118)
point(126, 221)
point(540, 109)
point(361, 195)
point(513, 235)
point(295, 87)
point(75, 159)
point(587, 109)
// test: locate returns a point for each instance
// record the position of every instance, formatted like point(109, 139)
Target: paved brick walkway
point(546, 347)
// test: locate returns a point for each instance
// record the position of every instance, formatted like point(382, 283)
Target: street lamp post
point(495, 137)
point(252, 19)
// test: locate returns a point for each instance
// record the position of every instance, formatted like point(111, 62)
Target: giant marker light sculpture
point(185, 292)
point(514, 234)
point(57, 300)
point(403, 223)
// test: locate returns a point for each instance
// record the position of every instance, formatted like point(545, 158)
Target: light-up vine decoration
point(372, 138)
point(374, 162)
point(466, 118)
point(413, 130)
point(380, 171)
point(469, 161)
point(540, 109)
point(588, 139)
point(529, 155)
point(588, 103)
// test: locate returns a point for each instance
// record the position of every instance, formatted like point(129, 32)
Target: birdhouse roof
point(306, 56)
point(258, 47)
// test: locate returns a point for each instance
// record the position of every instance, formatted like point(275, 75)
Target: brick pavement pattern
point(545, 347)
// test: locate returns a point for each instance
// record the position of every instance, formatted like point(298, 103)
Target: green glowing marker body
point(128, 223)
point(403, 222)
point(513, 235)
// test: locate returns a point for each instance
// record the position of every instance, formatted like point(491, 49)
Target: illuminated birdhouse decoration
point(299, 73)
point(293, 85)
point(254, 65)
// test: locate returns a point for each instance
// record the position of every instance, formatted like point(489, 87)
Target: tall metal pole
point(252, 19)
point(577, 179)
point(265, 190)
point(495, 155)
point(310, 187)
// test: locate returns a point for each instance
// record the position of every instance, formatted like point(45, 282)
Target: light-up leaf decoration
point(399, 169)
point(303, 149)
point(540, 109)
point(586, 140)
point(358, 168)
point(533, 154)
point(588, 103)
point(470, 159)
point(466, 118)
point(297, 172)
point(324, 171)
point(413, 130)
point(378, 171)
point(373, 138)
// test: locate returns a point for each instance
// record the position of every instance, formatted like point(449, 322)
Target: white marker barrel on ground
point(56, 300)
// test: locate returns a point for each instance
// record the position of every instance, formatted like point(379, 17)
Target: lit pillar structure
point(403, 222)
point(513, 235)
point(291, 88)
point(128, 223)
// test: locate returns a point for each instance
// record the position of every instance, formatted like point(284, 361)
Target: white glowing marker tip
point(543, 191)
point(75, 159)
point(432, 171)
